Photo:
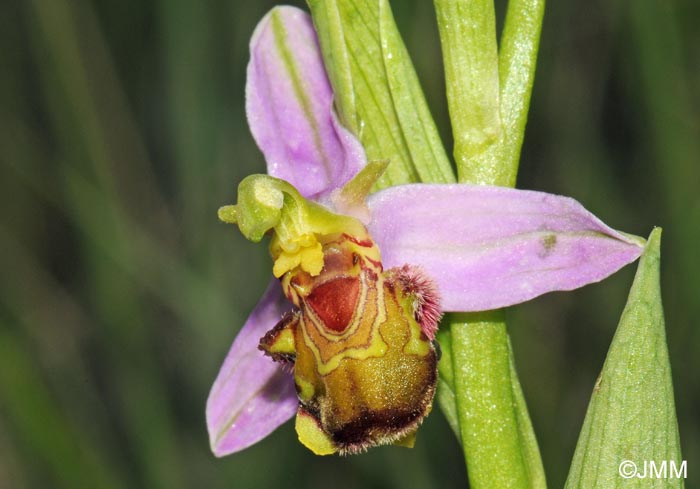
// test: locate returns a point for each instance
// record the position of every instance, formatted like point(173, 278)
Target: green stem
point(518, 56)
point(468, 38)
point(470, 61)
point(488, 97)
point(486, 412)
point(482, 399)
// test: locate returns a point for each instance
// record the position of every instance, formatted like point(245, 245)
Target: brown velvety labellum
point(364, 365)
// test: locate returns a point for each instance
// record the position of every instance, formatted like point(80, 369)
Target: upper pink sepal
point(251, 396)
point(491, 247)
point(289, 103)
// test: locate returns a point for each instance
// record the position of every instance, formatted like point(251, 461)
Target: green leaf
point(520, 42)
point(377, 92)
point(379, 99)
point(489, 94)
point(631, 415)
point(446, 382)
point(528, 442)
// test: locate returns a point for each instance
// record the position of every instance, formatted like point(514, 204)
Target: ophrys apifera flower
point(361, 278)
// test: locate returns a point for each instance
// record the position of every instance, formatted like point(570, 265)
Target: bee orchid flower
point(362, 278)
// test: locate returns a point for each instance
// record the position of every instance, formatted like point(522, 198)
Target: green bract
point(632, 414)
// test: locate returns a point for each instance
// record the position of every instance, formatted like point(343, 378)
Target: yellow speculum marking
point(377, 348)
point(372, 344)
point(380, 362)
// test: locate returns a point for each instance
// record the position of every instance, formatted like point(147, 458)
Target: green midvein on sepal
point(300, 91)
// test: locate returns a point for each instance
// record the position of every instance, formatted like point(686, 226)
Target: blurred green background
point(122, 129)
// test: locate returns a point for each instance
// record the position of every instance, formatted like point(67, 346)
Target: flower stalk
point(470, 53)
point(488, 96)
